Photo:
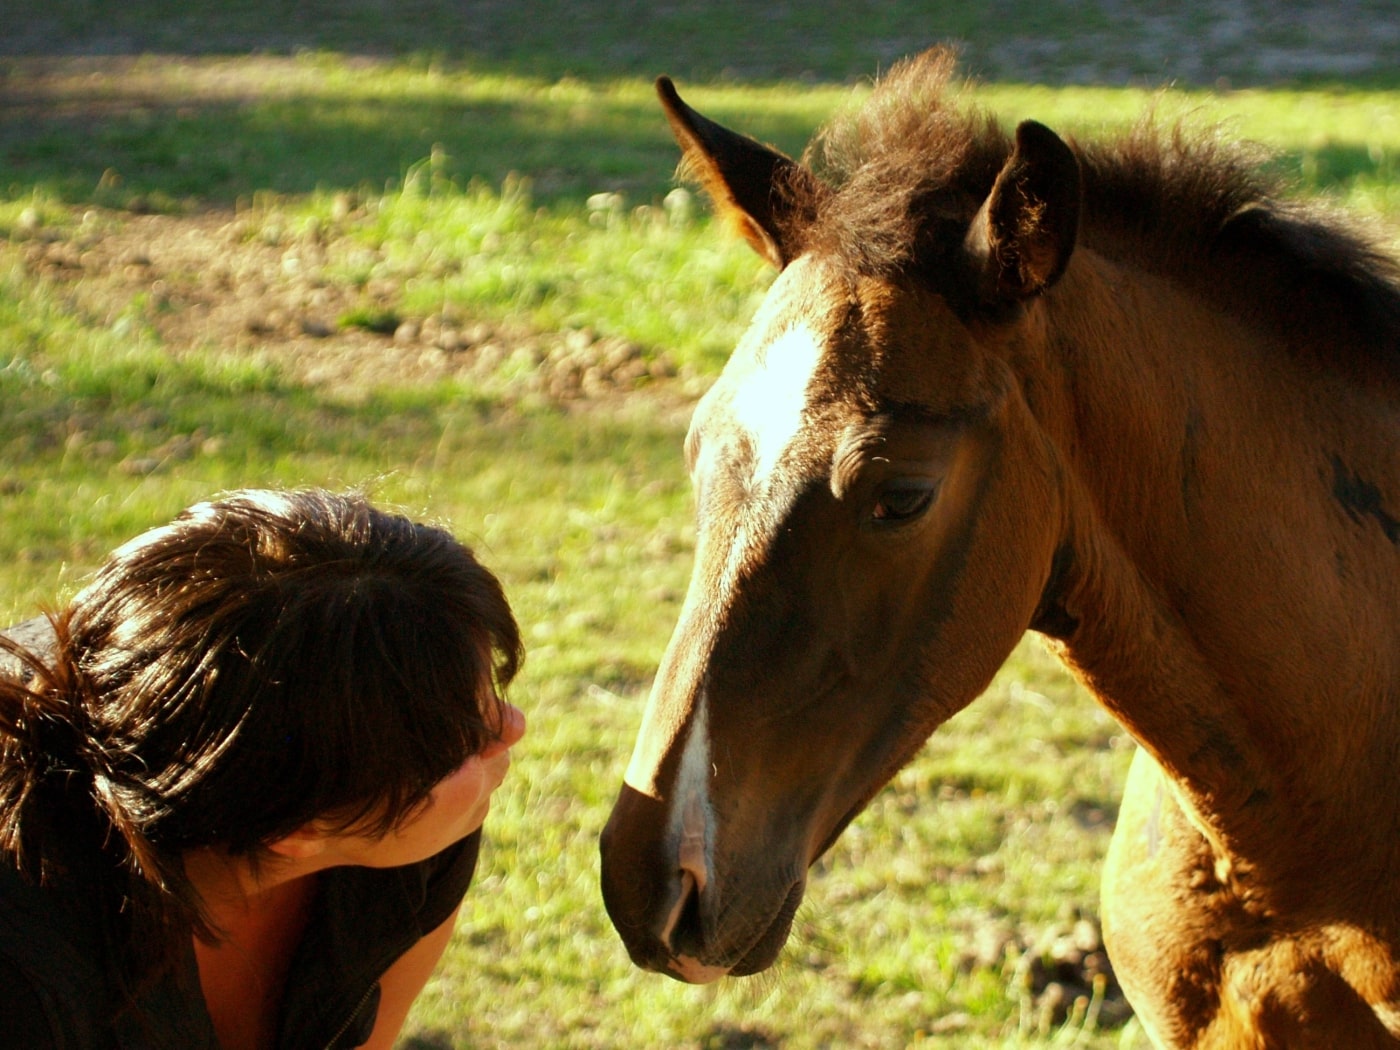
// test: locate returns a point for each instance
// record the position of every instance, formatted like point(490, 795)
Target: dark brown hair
point(267, 659)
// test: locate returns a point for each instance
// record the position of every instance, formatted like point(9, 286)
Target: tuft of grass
point(371, 319)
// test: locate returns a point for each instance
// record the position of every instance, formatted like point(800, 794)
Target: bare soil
point(213, 280)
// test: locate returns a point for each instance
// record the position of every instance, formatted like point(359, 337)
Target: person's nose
point(511, 731)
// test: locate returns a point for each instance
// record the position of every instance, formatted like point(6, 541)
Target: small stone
point(139, 466)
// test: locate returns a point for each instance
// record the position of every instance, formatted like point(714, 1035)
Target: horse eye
point(903, 501)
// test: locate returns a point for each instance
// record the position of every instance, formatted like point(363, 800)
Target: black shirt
point(59, 959)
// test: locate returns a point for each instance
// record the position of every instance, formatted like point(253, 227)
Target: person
point(242, 779)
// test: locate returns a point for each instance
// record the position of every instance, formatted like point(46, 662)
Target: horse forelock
point(903, 173)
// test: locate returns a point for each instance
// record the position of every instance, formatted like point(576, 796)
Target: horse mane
point(905, 172)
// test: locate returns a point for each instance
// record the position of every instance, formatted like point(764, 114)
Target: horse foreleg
point(1200, 972)
point(1161, 935)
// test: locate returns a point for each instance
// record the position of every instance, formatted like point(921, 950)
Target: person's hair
point(265, 660)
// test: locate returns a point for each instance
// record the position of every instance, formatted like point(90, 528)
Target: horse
point(1122, 393)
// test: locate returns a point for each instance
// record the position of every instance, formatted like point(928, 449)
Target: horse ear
point(749, 183)
point(1025, 231)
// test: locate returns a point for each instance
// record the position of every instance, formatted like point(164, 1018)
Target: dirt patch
point(219, 281)
point(1058, 973)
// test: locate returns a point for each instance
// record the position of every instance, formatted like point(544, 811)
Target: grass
point(477, 169)
point(547, 203)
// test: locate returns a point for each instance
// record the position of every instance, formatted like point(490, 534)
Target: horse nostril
point(687, 931)
point(683, 923)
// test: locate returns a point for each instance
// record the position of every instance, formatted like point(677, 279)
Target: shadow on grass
point(115, 139)
point(1112, 42)
point(119, 137)
point(737, 39)
point(432, 1040)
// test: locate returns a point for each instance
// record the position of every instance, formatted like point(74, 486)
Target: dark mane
point(1200, 211)
point(911, 165)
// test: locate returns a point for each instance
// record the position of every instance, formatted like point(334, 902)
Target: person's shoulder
point(441, 881)
point(32, 1017)
point(49, 984)
point(414, 898)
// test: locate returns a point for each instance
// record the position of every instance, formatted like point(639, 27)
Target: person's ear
point(305, 843)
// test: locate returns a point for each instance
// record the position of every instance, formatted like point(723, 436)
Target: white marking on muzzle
point(690, 827)
point(690, 820)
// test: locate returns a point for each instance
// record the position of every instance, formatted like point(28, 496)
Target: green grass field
point(227, 236)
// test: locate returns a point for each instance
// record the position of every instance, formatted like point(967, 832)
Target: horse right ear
point(751, 185)
point(1024, 233)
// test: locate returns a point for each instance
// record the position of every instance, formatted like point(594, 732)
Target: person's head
point(267, 660)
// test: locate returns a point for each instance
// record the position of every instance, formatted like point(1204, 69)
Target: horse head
point(878, 518)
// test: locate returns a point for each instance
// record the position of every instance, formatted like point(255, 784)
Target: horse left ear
point(1024, 233)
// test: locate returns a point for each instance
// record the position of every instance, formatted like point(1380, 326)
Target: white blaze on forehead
point(770, 401)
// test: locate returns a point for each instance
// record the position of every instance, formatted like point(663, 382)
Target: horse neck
point(1231, 614)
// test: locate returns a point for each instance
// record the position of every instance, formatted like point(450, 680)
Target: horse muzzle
point(665, 907)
